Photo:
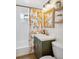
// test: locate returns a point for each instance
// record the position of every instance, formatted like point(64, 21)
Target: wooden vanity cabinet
point(42, 48)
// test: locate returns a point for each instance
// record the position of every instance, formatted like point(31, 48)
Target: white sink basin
point(43, 37)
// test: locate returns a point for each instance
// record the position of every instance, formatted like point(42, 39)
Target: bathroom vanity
point(43, 45)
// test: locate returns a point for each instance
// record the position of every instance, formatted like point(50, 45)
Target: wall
point(22, 30)
point(57, 32)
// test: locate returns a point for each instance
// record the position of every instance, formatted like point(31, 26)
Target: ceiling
point(32, 3)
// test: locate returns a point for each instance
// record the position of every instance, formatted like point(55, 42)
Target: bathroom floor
point(30, 56)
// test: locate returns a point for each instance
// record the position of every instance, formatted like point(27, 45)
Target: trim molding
point(23, 51)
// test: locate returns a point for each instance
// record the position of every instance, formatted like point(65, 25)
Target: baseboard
point(23, 51)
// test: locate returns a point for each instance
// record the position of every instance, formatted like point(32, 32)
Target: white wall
point(22, 31)
point(57, 32)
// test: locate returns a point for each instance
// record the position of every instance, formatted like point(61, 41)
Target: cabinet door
point(35, 46)
point(47, 48)
point(39, 48)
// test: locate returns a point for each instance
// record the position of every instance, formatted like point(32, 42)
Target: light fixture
point(23, 17)
point(48, 2)
point(47, 6)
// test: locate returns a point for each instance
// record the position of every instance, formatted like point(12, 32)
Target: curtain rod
point(27, 7)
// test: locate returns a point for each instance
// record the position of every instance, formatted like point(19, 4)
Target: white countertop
point(44, 37)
